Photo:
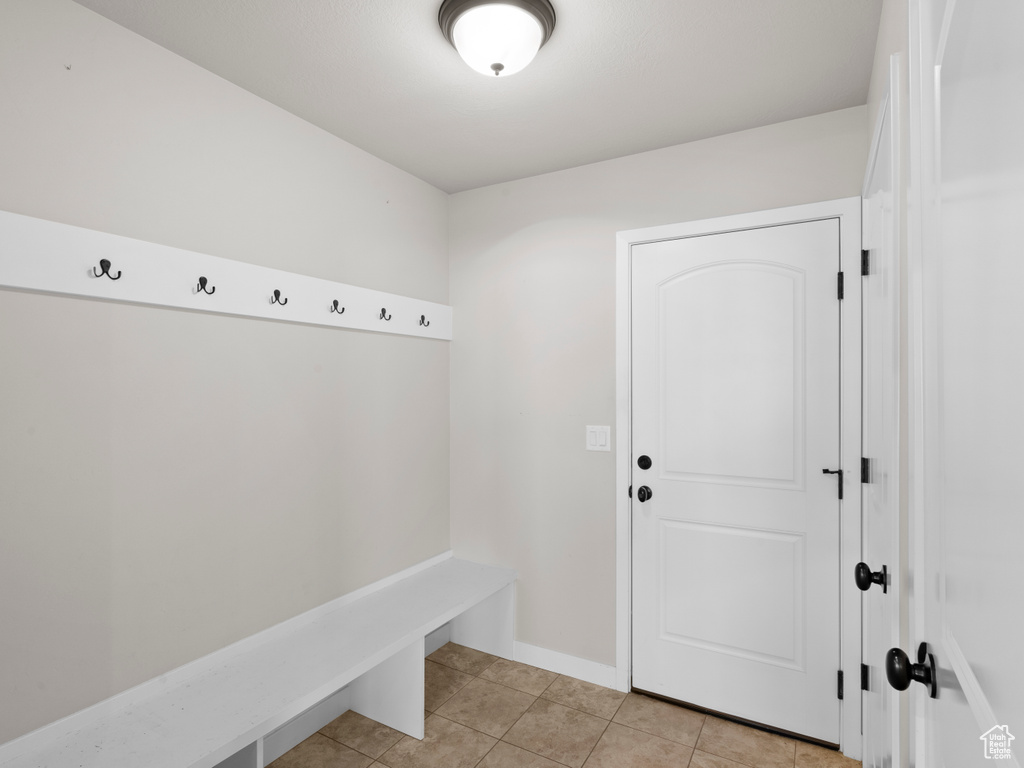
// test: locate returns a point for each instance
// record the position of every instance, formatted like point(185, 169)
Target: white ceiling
point(616, 77)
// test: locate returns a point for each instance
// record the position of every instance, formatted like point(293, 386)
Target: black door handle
point(643, 493)
point(900, 672)
point(865, 578)
point(838, 473)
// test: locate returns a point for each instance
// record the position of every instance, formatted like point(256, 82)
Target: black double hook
point(423, 321)
point(277, 298)
point(335, 308)
point(201, 288)
point(383, 314)
point(105, 270)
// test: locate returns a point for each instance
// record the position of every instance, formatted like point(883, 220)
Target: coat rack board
point(46, 256)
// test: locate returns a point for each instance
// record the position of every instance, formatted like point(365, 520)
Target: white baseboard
point(564, 664)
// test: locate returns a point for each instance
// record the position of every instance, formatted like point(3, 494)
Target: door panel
point(736, 400)
point(760, 575)
point(966, 402)
point(756, 438)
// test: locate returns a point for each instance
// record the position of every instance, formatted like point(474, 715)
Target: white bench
point(249, 703)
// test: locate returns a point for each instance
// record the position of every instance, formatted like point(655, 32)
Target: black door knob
point(644, 493)
point(901, 673)
point(644, 462)
point(864, 577)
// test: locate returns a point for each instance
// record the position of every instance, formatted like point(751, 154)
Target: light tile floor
point(486, 712)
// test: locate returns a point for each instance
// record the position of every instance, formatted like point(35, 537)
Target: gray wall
point(171, 482)
point(533, 289)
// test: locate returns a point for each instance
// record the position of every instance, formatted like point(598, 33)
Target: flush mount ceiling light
point(497, 37)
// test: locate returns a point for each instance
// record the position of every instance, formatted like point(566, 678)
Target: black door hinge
point(631, 491)
point(839, 286)
point(865, 263)
point(839, 686)
point(865, 470)
point(864, 677)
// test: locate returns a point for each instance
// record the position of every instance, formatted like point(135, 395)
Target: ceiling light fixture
point(497, 37)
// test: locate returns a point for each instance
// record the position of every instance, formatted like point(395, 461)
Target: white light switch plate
point(599, 438)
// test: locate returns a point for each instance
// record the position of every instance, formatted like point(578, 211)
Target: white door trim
point(848, 211)
point(875, 237)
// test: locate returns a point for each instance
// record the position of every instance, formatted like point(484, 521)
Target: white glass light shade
point(497, 39)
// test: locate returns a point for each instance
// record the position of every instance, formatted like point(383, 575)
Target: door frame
point(848, 211)
point(889, 244)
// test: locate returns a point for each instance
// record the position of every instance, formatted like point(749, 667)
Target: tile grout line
point(710, 750)
point(509, 687)
point(504, 685)
point(349, 746)
point(536, 698)
point(485, 754)
point(604, 731)
point(733, 759)
point(591, 752)
point(541, 695)
point(501, 739)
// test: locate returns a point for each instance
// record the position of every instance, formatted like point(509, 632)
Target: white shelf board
point(50, 257)
point(202, 720)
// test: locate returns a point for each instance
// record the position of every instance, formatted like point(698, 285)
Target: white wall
point(171, 482)
point(533, 362)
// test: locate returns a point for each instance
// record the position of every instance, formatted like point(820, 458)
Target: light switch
point(599, 438)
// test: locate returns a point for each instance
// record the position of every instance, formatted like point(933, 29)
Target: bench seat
point(220, 713)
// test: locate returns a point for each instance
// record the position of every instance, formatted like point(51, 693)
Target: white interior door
point(735, 392)
point(880, 429)
point(967, 449)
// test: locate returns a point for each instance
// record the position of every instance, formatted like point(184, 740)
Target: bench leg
point(392, 693)
point(488, 626)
